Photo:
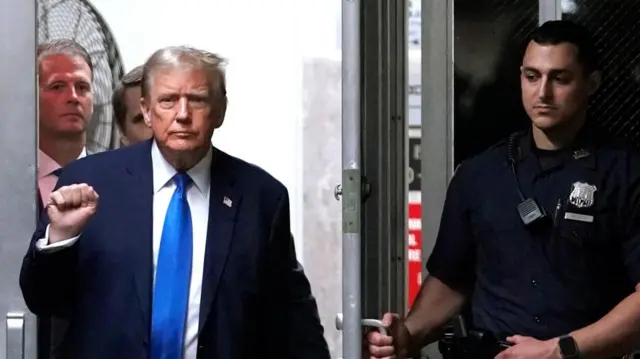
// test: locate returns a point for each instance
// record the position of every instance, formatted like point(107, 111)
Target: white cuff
point(43, 245)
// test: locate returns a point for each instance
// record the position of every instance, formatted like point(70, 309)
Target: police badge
point(581, 153)
point(582, 195)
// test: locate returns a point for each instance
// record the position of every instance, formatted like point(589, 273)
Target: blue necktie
point(173, 273)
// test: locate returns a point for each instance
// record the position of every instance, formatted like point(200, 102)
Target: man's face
point(135, 129)
point(555, 86)
point(66, 96)
point(181, 110)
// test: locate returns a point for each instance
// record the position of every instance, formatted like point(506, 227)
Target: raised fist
point(69, 209)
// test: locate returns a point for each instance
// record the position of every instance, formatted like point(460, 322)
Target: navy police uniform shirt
point(565, 271)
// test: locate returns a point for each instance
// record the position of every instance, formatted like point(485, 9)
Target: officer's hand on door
point(69, 209)
point(393, 345)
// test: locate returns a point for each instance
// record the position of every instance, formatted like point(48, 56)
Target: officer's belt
point(478, 344)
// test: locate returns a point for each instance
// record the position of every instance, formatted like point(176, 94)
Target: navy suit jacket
point(256, 301)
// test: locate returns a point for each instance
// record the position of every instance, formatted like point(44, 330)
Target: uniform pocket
point(584, 234)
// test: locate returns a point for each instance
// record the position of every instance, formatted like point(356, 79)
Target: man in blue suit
point(189, 253)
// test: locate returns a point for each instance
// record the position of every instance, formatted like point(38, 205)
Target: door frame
point(18, 144)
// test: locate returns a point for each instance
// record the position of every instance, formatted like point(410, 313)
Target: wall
point(284, 104)
point(323, 217)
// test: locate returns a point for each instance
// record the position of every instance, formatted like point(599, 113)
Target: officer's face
point(555, 86)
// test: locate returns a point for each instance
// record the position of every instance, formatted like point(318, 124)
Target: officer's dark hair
point(563, 31)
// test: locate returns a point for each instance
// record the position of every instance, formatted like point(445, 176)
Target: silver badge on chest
point(582, 194)
point(582, 153)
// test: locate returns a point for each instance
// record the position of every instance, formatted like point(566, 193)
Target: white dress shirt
point(198, 198)
point(46, 179)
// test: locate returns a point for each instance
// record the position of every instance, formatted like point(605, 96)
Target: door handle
point(367, 323)
point(15, 335)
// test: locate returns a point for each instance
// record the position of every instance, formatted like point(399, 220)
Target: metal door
point(351, 187)
point(18, 178)
point(373, 190)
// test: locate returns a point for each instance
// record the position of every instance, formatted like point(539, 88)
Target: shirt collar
point(163, 172)
point(46, 164)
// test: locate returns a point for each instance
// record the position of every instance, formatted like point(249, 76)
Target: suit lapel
point(138, 202)
point(224, 201)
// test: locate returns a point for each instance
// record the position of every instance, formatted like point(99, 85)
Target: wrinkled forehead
point(63, 67)
point(546, 58)
point(180, 79)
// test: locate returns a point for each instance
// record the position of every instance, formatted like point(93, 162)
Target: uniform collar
point(582, 150)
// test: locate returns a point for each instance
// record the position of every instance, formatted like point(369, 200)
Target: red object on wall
point(414, 246)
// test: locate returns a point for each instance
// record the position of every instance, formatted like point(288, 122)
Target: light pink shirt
point(46, 179)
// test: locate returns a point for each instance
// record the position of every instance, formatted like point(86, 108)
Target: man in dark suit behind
point(189, 253)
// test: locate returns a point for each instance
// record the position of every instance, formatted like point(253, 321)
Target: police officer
point(541, 233)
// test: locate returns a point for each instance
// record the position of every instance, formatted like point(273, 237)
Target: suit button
point(534, 283)
point(537, 319)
